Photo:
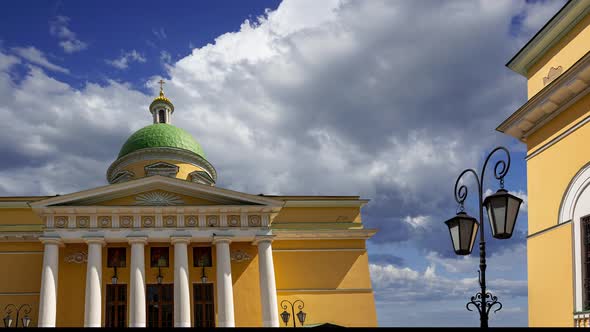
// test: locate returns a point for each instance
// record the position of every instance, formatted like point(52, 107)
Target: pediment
point(157, 191)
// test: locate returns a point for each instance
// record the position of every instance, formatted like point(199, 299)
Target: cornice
point(555, 98)
point(363, 234)
point(326, 203)
point(549, 35)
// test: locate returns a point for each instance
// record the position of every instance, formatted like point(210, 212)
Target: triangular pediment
point(157, 191)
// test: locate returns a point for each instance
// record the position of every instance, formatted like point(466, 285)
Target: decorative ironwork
point(8, 314)
point(482, 302)
point(300, 315)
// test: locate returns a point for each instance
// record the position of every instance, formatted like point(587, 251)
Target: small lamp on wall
point(203, 275)
point(161, 262)
point(114, 278)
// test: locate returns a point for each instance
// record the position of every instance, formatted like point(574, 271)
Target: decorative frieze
point(160, 219)
point(105, 222)
point(82, 221)
point(148, 221)
point(233, 220)
point(212, 221)
point(254, 221)
point(76, 257)
point(240, 256)
point(61, 221)
point(126, 221)
point(169, 221)
point(190, 221)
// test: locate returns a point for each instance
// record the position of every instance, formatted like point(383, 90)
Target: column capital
point(137, 239)
point(180, 239)
point(52, 240)
point(262, 238)
point(222, 239)
point(94, 239)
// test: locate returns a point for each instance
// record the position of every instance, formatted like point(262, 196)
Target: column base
point(182, 324)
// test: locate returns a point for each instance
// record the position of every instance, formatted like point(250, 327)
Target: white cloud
point(126, 58)
point(35, 56)
point(58, 27)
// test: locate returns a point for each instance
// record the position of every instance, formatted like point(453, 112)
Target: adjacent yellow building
point(161, 245)
point(553, 124)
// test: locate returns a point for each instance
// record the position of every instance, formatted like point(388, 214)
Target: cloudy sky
point(389, 100)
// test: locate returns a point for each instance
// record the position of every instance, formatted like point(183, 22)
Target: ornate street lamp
point(285, 315)
point(26, 320)
point(502, 209)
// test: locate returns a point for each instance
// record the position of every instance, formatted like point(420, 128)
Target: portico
point(234, 218)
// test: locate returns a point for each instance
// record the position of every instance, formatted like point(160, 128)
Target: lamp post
point(300, 315)
point(502, 209)
point(203, 275)
point(8, 318)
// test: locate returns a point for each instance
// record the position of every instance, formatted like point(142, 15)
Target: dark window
point(116, 306)
point(162, 116)
point(116, 257)
point(204, 307)
point(202, 256)
point(586, 260)
point(160, 305)
point(159, 257)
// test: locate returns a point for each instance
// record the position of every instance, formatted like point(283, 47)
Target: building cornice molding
point(361, 234)
point(549, 35)
point(162, 183)
point(549, 102)
point(326, 203)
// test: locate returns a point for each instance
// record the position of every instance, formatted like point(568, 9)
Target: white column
point(48, 294)
point(137, 310)
point(225, 294)
point(182, 303)
point(93, 300)
point(268, 288)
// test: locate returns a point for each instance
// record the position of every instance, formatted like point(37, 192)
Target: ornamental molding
point(553, 73)
point(76, 258)
point(240, 256)
point(158, 198)
point(552, 100)
point(160, 153)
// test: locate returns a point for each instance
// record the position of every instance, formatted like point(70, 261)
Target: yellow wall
point(21, 281)
point(24, 216)
point(184, 168)
point(550, 172)
point(565, 53)
point(319, 214)
point(550, 278)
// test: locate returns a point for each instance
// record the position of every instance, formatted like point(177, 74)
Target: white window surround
point(574, 206)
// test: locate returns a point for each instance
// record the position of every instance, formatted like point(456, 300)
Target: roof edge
point(559, 25)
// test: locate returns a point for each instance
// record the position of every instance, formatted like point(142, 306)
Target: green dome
point(161, 135)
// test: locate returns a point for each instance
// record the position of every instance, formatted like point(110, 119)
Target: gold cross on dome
point(161, 86)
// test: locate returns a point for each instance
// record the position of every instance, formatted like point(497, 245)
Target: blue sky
point(387, 100)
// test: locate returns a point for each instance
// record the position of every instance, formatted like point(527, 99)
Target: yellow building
point(161, 245)
point(553, 124)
